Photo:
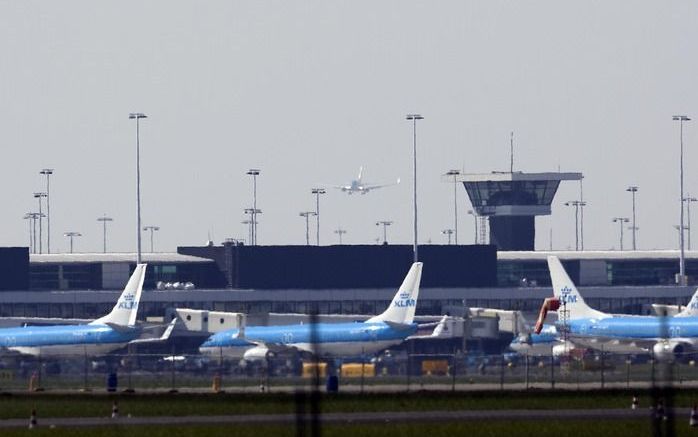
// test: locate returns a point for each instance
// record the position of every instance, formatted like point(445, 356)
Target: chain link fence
point(397, 371)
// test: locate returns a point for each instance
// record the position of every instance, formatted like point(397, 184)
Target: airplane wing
point(164, 337)
point(375, 187)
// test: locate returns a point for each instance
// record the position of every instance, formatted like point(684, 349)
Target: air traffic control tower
point(511, 201)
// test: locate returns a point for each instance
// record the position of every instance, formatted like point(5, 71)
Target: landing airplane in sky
point(358, 186)
point(326, 339)
point(106, 334)
point(666, 337)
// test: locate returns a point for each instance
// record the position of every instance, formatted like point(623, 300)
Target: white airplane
point(101, 336)
point(358, 186)
point(391, 327)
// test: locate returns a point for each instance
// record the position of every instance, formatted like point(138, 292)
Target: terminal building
point(263, 279)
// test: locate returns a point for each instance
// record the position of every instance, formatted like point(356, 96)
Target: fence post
point(454, 370)
point(172, 356)
point(409, 367)
point(84, 376)
point(552, 370)
point(130, 369)
point(363, 368)
point(526, 379)
point(627, 365)
point(603, 368)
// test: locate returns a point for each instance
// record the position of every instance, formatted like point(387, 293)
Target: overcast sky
point(309, 91)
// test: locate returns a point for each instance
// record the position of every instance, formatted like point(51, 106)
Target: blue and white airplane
point(326, 339)
point(106, 334)
point(666, 337)
point(544, 343)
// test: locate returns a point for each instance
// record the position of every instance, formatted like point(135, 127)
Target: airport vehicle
point(106, 334)
point(391, 327)
point(666, 337)
point(358, 186)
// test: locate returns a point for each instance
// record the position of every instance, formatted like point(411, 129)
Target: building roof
point(502, 176)
point(68, 258)
point(601, 255)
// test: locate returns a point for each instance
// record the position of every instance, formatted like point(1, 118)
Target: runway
point(364, 417)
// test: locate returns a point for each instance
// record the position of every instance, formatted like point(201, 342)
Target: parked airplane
point(326, 339)
point(666, 337)
point(542, 343)
point(106, 334)
point(358, 186)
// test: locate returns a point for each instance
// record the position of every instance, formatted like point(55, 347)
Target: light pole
point(471, 212)
point(448, 232)
point(32, 216)
point(137, 116)
point(682, 258)
point(621, 221)
point(28, 216)
point(249, 229)
point(152, 229)
point(632, 190)
point(104, 219)
point(307, 215)
point(252, 222)
point(455, 174)
point(254, 172)
point(48, 172)
point(40, 196)
point(340, 232)
point(414, 118)
point(688, 201)
point(577, 205)
point(385, 224)
point(71, 235)
point(317, 192)
point(678, 234)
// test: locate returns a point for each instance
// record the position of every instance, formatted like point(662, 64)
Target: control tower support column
point(511, 202)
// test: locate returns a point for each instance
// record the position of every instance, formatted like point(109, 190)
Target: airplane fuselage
point(65, 339)
point(326, 339)
point(639, 327)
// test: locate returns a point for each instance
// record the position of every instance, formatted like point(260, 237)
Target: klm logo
point(127, 303)
point(404, 301)
point(566, 295)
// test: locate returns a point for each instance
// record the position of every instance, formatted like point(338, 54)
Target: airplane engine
point(563, 350)
point(669, 351)
point(257, 353)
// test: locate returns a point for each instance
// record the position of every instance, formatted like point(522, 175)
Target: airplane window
point(188, 317)
point(222, 320)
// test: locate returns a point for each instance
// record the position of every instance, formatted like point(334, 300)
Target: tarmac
point(363, 417)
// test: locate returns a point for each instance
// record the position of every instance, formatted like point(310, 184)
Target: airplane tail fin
point(401, 309)
point(691, 309)
point(126, 308)
point(566, 292)
point(361, 172)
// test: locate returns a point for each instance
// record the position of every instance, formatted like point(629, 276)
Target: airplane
point(355, 339)
point(544, 343)
point(106, 334)
point(666, 337)
point(358, 186)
